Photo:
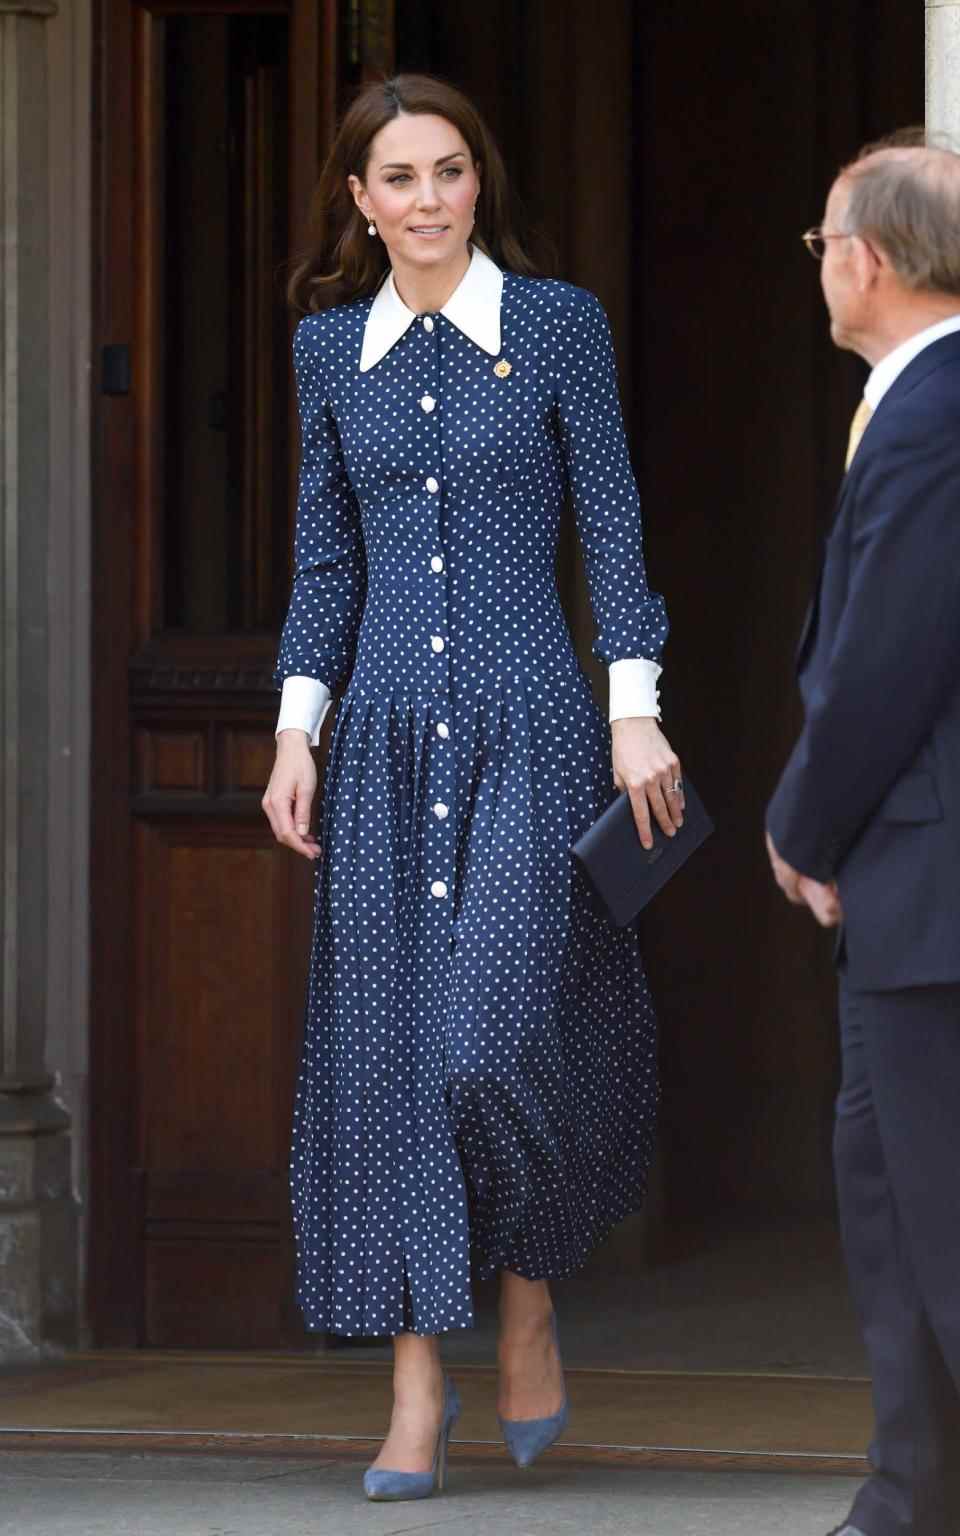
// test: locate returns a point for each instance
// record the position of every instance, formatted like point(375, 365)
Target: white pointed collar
point(473, 307)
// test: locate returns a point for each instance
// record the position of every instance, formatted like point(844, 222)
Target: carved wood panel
point(214, 116)
point(222, 932)
point(227, 1291)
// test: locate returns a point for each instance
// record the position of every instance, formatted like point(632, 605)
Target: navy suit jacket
point(871, 794)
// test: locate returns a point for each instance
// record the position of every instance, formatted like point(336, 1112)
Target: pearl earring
point(371, 227)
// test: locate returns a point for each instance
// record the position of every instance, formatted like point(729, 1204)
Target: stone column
point(37, 1238)
point(943, 69)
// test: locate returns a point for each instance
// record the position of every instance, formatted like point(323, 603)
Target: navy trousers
point(897, 1156)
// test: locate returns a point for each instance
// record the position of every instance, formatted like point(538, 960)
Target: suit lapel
point(946, 350)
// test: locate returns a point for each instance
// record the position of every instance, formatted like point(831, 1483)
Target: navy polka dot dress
point(478, 1084)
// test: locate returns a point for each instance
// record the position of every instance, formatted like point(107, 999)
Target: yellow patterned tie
point(858, 426)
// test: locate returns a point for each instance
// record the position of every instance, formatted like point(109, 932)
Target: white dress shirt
point(474, 308)
point(890, 367)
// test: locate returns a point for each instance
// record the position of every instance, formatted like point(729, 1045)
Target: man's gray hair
point(904, 196)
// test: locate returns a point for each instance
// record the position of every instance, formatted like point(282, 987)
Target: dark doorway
point(673, 167)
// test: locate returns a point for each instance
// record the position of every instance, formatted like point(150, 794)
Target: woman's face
point(420, 190)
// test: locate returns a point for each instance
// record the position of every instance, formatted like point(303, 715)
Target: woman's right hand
point(288, 798)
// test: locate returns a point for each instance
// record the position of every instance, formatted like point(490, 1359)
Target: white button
point(426, 404)
point(438, 888)
point(441, 811)
point(433, 486)
point(436, 563)
point(437, 642)
point(427, 323)
point(443, 729)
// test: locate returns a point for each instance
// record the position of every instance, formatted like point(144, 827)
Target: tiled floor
point(739, 1330)
point(772, 1306)
point(290, 1396)
point(108, 1495)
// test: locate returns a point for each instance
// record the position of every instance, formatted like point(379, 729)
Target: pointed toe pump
point(526, 1439)
point(381, 1485)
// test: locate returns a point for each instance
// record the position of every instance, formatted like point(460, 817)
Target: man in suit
point(864, 828)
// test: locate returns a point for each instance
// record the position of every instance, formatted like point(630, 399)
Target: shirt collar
point(889, 368)
point(473, 307)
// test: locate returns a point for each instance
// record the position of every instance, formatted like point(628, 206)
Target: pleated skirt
point(478, 1083)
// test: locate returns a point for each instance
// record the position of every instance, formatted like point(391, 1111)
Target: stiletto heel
point(526, 1439)
point(381, 1485)
point(441, 1460)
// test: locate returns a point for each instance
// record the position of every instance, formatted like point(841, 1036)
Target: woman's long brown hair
point(341, 262)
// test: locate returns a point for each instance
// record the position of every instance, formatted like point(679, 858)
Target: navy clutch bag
point(626, 875)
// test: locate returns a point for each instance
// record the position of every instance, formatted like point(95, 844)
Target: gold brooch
point(503, 369)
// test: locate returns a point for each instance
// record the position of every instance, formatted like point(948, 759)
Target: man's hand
point(785, 875)
point(823, 900)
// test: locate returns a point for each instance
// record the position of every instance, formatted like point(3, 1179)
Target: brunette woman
point(478, 1083)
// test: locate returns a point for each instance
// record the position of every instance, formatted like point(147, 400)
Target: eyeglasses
point(816, 241)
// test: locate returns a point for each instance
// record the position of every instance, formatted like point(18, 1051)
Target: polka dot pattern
point(478, 1084)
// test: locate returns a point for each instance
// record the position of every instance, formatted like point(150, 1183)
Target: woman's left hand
point(646, 766)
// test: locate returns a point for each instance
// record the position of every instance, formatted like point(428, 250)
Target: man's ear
point(868, 263)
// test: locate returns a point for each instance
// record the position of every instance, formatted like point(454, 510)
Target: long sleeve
point(631, 621)
point(303, 706)
point(633, 688)
point(895, 658)
point(330, 575)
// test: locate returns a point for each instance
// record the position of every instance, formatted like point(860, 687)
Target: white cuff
point(303, 705)
point(633, 688)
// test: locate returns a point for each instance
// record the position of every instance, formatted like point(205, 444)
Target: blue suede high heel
point(527, 1438)
point(381, 1485)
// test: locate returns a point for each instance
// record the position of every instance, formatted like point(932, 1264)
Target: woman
point(478, 1079)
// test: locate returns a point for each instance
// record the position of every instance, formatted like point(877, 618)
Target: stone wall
point(38, 1228)
point(943, 69)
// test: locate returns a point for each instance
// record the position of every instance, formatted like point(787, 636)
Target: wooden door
point(213, 118)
